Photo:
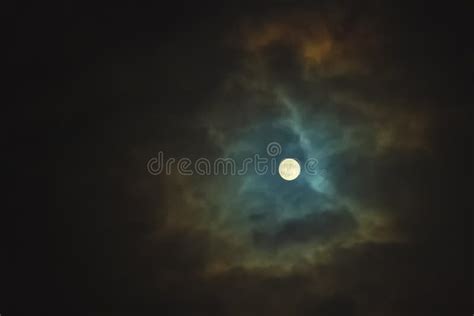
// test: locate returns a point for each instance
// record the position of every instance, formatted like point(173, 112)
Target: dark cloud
point(318, 225)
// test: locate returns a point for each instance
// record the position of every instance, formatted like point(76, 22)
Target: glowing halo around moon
point(289, 169)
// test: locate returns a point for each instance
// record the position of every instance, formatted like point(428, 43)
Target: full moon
point(289, 169)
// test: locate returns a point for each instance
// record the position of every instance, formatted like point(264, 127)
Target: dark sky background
point(379, 93)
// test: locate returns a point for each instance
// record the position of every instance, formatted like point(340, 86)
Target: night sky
point(378, 92)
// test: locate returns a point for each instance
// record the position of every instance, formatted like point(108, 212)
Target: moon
point(289, 169)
